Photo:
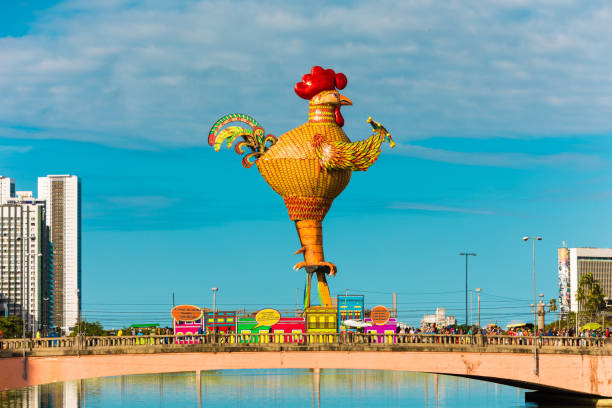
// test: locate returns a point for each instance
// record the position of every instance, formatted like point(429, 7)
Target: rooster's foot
point(332, 267)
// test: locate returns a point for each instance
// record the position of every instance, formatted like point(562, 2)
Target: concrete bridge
point(564, 365)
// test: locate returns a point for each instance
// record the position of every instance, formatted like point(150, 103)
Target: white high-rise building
point(7, 189)
point(63, 196)
point(576, 262)
point(25, 267)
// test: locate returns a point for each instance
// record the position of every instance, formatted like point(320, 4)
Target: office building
point(7, 189)
point(440, 319)
point(26, 269)
point(62, 194)
point(574, 263)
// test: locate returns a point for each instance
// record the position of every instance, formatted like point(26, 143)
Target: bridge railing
point(238, 339)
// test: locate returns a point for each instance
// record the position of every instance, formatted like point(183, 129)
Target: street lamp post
point(478, 292)
point(214, 291)
point(23, 313)
point(44, 316)
point(78, 333)
point(471, 307)
point(466, 254)
point(535, 315)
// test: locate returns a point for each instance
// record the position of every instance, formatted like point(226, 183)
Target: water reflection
point(266, 388)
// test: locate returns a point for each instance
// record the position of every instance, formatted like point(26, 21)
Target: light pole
point(535, 315)
point(23, 317)
point(31, 321)
point(471, 307)
point(214, 291)
point(78, 333)
point(478, 292)
point(45, 319)
point(466, 254)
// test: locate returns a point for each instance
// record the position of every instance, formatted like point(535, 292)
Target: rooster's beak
point(345, 101)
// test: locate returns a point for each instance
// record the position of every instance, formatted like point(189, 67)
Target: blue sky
point(501, 112)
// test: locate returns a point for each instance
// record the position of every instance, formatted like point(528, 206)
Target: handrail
point(82, 343)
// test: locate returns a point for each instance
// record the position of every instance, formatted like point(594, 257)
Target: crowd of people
point(493, 330)
point(493, 334)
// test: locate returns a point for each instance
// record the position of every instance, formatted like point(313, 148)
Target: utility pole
point(471, 307)
point(466, 254)
point(395, 305)
point(535, 312)
point(478, 291)
point(78, 334)
point(46, 319)
point(23, 323)
point(214, 291)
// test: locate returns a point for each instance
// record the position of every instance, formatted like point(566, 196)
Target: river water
point(270, 388)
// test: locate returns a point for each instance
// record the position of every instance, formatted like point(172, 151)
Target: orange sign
point(186, 313)
point(380, 315)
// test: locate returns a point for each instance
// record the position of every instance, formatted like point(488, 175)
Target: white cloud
point(436, 208)
point(510, 160)
point(155, 72)
point(15, 149)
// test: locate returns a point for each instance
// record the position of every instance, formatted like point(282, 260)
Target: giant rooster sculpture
point(309, 165)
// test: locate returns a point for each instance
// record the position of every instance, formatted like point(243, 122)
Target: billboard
point(187, 313)
point(564, 280)
point(380, 315)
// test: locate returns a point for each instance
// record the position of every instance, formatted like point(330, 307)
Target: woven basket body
point(292, 169)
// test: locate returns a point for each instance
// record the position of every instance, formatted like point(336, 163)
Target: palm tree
point(553, 304)
point(553, 307)
point(589, 294)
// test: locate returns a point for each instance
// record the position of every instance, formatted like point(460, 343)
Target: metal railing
point(82, 343)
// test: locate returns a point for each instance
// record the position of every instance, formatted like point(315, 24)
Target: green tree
point(589, 294)
point(11, 327)
point(88, 329)
point(553, 305)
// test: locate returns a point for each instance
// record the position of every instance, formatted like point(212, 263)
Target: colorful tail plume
point(253, 138)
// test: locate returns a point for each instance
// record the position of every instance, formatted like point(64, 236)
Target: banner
point(564, 280)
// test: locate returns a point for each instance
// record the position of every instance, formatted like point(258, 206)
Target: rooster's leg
point(311, 237)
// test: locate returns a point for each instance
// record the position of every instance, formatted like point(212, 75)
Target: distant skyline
point(501, 112)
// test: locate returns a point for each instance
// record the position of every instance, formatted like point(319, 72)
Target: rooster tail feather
point(233, 117)
point(229, 134)
point(253, 136)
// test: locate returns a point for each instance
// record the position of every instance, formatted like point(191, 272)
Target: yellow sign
point(267, 317)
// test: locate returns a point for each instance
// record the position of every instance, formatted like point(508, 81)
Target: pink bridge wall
point(587, 374)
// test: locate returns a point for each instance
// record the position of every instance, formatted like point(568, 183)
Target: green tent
point(144, 326)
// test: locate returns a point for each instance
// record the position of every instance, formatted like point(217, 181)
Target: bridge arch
point(576, 373)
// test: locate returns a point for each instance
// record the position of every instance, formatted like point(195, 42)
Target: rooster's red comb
point(319, 80)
